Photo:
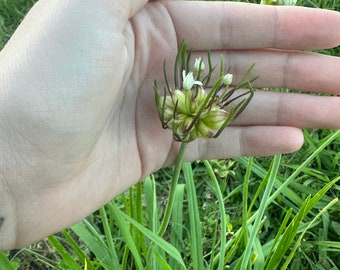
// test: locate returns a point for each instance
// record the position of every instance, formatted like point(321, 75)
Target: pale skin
point(78, 119)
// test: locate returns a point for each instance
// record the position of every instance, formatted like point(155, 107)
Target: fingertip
point(294, 140)
point(269, 141)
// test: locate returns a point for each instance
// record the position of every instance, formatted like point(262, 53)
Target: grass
point(246, 213)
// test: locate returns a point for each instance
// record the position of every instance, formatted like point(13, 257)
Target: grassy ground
point(245, 213)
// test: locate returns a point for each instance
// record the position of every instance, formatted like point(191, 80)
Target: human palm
point(82, 123)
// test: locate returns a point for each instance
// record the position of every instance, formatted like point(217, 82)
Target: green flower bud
point(199, 65)
point(228, 79)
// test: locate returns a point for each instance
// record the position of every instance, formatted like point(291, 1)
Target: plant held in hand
point(194, 108)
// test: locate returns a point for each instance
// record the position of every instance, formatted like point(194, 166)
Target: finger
point(247, 141)
point(288, 109)
point(223, 25)
point(284, 69)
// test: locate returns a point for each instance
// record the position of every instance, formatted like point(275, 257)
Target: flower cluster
point(182, 107)
point(191, 111)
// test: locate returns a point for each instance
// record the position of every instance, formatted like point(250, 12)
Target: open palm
point(80, 122)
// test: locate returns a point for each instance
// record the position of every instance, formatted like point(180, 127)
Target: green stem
point(174, 182)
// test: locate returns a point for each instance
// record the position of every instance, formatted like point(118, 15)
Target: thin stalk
point(170, 204)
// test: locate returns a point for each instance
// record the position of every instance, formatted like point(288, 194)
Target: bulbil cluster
point(193, 111)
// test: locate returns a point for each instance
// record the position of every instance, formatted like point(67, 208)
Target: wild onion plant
point(193, 111)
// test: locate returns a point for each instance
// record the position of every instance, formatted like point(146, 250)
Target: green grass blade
point(245, 200)
point(108, 235)
point(138, 207)
point(215, 252)
point(66, 256)
point(195, 224)
point(217, 191)
point(292, 229)
point(279, 181)
point(311, 204)
point(233, 244)
point(161, 261)
point(292, 177)
point(94, 241)
point(164, 245)
point(176, 234)
point(151, 202)
point(278, 235)
point(6, 264)
point(328, 244)
point(151, 210)
point(258, 261)
point(288, 236)
point(83, 258)
point(260, 212)
point(125, 231)
point(298, 242)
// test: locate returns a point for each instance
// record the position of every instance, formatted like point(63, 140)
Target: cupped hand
point(78, 118)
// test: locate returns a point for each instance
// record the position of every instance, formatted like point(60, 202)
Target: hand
point(78, 118)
